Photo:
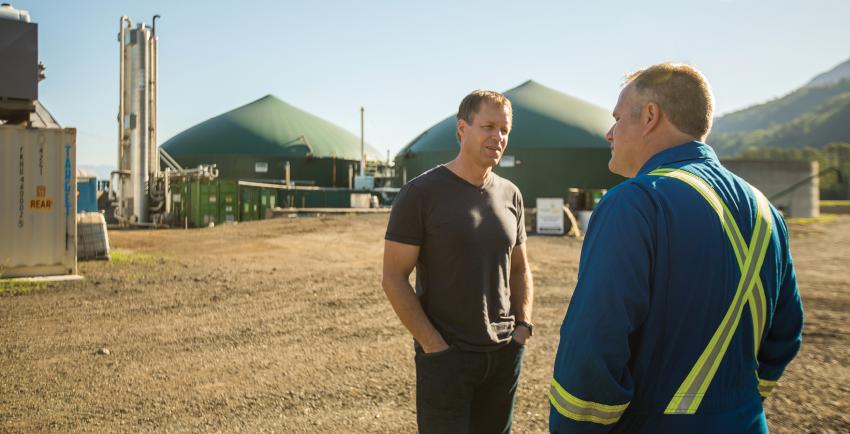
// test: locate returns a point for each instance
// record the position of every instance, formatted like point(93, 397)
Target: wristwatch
point(527, 325)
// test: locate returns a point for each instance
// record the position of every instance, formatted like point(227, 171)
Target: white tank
point(137, 151)
point(7, 12)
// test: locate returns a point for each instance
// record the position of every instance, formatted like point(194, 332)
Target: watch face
point(527, 325)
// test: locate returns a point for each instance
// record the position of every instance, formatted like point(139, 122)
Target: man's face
point(484, 140)
point(626, 135)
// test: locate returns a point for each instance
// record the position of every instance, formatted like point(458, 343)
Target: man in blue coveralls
point(686, 311)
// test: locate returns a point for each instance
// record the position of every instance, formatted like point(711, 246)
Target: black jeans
point(461, 391)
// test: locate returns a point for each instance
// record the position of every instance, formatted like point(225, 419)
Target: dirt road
point(282, 326)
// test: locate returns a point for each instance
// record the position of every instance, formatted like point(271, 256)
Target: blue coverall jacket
point(656, 277)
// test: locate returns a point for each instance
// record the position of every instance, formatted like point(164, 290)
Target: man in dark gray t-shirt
point(462, 227)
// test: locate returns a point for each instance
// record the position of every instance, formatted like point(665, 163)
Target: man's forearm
point(522, 294)
point(406, 305)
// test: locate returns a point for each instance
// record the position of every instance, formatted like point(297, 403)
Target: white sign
point(550, 216)
point(507, 161)
point(360, 200)
point(261, 167)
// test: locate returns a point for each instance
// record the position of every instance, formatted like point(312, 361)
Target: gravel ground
point(282, 326)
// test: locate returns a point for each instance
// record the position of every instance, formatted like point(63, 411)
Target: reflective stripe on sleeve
point(578, 409)
point(765, 387)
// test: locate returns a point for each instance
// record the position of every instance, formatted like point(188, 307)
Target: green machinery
point(200, 202)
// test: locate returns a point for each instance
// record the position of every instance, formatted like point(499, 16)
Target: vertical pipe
point(121, 85)
point(362, 145)
point(167, 193)
point(140, 142)
point(287, 173)
point(152, 91)
point(120, 204)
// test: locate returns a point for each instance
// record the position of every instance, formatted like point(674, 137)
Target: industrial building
point(269, 154)
point(791, 186)
point(257, 141)
point(557, 144)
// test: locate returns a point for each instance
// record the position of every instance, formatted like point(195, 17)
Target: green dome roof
point(542, 118)
point(268, 127)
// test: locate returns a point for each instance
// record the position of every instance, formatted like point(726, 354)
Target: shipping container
point(38, 207)
point(268, 200)
point(198, 203)
point(86, 192)
point(228, 194)
point(249, 199)
point(204, 202)
point(180, 202)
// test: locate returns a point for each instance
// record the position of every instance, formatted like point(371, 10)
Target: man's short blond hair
point(681, 91)
point(472, 103)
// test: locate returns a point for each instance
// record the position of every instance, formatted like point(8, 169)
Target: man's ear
point(461, 129)
point(650, 117)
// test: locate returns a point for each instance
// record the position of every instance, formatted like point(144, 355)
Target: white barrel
point(583, 220)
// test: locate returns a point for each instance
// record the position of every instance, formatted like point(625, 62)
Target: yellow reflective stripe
point(754, 316)
point(757, 304)
point(690, 394)
point(758, 312)
point(719, 207)
point(760, 298)
point(687, 398)
point(765, 387)
point(578, 409)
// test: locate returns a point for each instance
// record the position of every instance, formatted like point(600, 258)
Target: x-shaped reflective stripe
point(750, 258)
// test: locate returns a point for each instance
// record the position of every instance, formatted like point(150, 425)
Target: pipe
point(805, 181)
point(287, 173)
point(362, 144)
point(129, 222)
point(160, 204)
point(121, 71)
point(167, 191)
point(169, 160)
point(124, 24)
point(153, 82)
point(139, 146)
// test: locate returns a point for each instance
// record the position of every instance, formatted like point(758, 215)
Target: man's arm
point(592, 383)
point(522, 291)
point(399, 261)
point(782, 340)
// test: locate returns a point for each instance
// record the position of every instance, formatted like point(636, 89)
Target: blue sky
point(410, 63)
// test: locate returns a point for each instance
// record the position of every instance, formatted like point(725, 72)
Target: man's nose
point(610, 134)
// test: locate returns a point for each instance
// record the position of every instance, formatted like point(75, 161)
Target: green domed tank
point(255, 141)
point(557, 143)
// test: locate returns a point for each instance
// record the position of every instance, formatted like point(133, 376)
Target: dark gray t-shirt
point(466, 235)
